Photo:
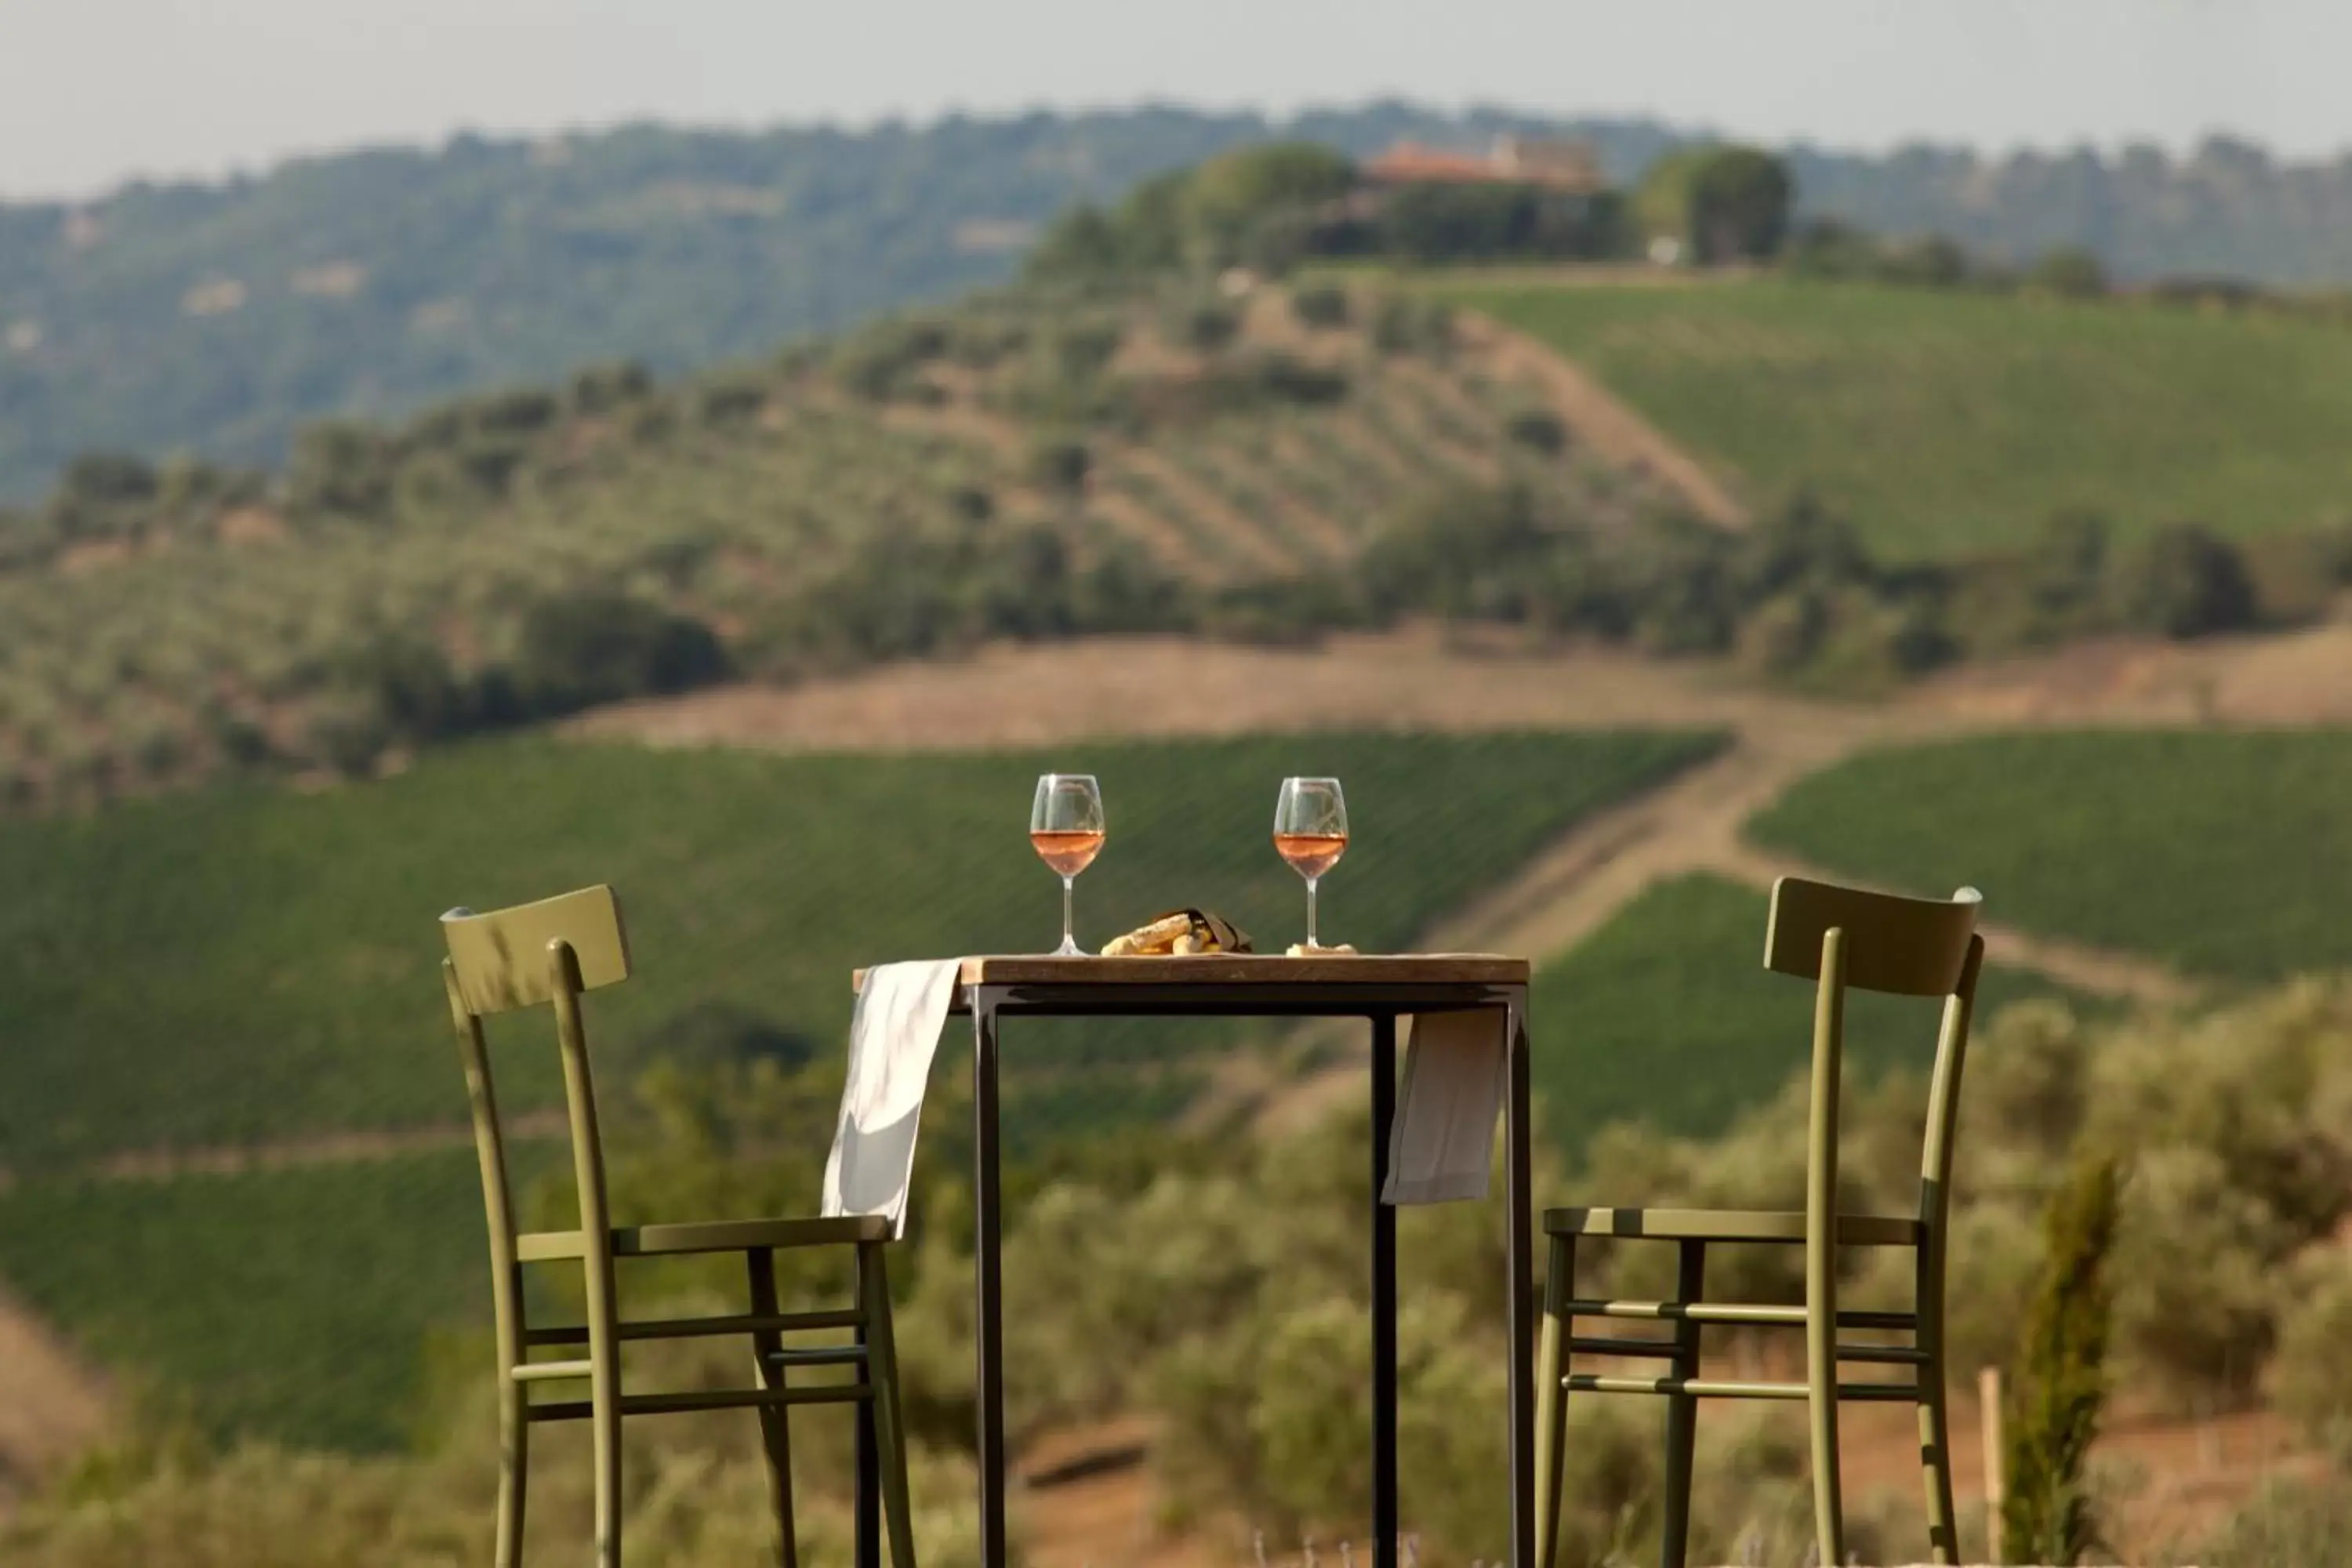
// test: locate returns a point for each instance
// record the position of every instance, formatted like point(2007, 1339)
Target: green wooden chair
point(553, 951)
point(1839, 938)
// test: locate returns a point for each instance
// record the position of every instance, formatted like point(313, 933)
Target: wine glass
point(1066, 828)
point(1310, 831)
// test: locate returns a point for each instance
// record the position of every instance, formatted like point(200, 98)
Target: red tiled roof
point(1569, 168)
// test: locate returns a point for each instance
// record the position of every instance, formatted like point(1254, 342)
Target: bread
point(1158, 936)
point(1181, 933)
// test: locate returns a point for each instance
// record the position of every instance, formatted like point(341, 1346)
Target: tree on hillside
point(1229, 198)
point(1438, 222)
point(1720, 202)
point(2187, 582)
point(1084, 242)
point(2070, 271)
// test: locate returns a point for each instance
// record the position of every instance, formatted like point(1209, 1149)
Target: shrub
point(1320, 305)
point(1284, 378)
point(2290, 1522)
point(407, 681)
point(1083, 242)
point(881, 361)
point(1929, 260)
point(1059, 465)
point(2186, 582)
point(1201, 322)
point(729, 400)
point(1824, 248)
point(516, 413)
point(2310, 1376)
point(1407, 323)
point(2070, 271)
point(599, 647)
point(339, 466)
point(1538, 430)
point(98, 480)
point(601, 388)
point(347, 735)
point(2194, 1304)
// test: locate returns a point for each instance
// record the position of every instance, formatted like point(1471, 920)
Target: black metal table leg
point(1519, 1161)
point(869, 1486)
point(988, 1317)
point(1384, 1301)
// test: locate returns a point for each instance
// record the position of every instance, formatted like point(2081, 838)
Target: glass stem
point(1311, 943)
point(1068, 940)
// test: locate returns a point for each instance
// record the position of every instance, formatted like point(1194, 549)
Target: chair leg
point(1935, 1417)
point(889, 1425)
point(1552, 1362)
point(604, 1413)
point(1682, 1412)
point(514, 1471)
point(775, 1423)
point(1821, 1377)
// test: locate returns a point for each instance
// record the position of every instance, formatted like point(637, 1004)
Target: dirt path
point(52, 1406)
point(1607, 425)
point(326, 1149)
point(1419, 682)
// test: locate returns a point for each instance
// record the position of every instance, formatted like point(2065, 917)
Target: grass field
point(289, 1303)
point(1667, 1015)
point(1945, 422)
point(244, 965)
point(2227, 855)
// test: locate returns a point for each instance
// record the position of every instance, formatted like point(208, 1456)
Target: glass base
point(1069, 949)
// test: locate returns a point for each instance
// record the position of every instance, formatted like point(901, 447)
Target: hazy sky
point(94, 91)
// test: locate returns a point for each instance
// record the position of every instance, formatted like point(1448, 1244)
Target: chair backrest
point(501, 958)
point(1907, 947)
point(548, 952)
point(1842, 938)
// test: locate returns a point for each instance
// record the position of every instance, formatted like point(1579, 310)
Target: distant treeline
point(1275, 206)
point(218, 318)
point(1798, 599)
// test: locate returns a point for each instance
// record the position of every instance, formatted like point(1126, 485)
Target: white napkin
point(1442, 1142)
point(892, 1038)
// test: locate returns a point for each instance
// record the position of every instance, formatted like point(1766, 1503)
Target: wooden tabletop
point(1246, 969)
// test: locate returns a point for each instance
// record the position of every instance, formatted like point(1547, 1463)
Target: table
point(1380, 989)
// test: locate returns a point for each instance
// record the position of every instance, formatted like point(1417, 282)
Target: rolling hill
point(1024, 467)
point(2222, 853)
point(1947, 423)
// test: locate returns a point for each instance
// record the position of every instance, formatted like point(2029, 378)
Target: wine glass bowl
point(1310, 832)
point(1066, 828)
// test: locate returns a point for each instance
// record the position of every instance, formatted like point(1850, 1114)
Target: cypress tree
point(2047, 1516)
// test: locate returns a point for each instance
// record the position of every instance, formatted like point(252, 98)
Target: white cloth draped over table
point(1441, 1143)
point(892, 1037)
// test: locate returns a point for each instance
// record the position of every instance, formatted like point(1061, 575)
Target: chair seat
point(1728, 1224)
point(721, 1235)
